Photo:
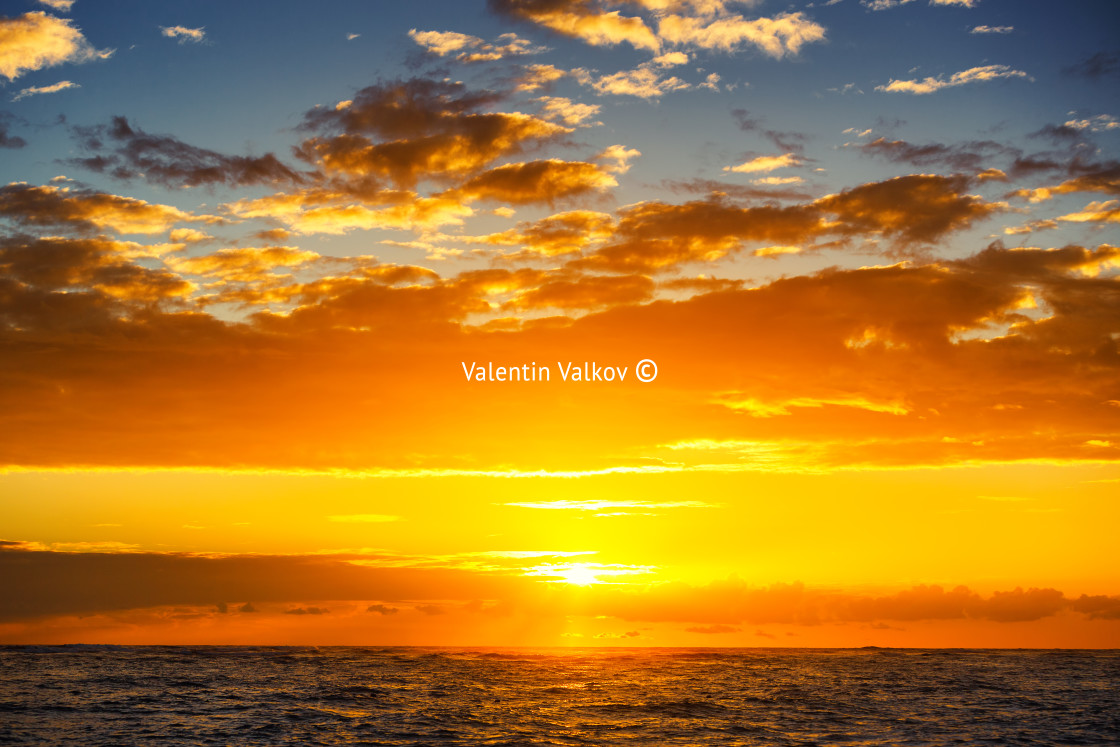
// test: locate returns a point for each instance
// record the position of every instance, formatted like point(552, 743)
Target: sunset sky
point(258, 261)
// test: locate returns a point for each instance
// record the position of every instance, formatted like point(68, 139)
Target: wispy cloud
point(972, 75)
point(35, 90)
point(363, 518)
point(184, 34)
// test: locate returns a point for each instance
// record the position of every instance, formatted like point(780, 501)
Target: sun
point(584, 574)
point(578, 574)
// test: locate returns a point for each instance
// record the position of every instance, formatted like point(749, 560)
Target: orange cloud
point(86, 210)
point(537, 181)
point(36, 40)
point(580, 19)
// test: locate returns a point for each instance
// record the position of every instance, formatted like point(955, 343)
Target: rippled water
point(109, 695)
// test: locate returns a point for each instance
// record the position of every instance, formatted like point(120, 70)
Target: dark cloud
point(9, 141)
point(37, 583)
point(408, 131)
point(85, 210)
point(969, 156)
point(1097, 66)
point(545, 181)
point(732, 190)
point(382, 609)
point(786, 140)
point(169, 161)
point(307, 611)
point(909, 210)
point(712, 629)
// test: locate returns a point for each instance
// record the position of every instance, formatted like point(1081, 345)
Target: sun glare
point(584, 574)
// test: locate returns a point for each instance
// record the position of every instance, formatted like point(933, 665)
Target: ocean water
point(238, 695)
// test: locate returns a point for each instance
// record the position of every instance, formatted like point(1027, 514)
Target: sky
point(560, 323)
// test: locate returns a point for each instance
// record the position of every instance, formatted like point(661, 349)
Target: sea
point(246, 695)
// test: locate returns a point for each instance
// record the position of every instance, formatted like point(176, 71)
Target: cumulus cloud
point(125, 151)
point(568, 112)
point(36, 40)
point(1099, 123)
point(778, 37)
point(534, 77)
point(417, 129)
point(645, 81)
point(467, 48)
point(972, 75)
point(709, 26)
point(87, 210)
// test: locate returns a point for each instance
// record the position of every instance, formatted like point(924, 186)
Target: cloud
point(430, 130)
point(534, 77)
point(708, 26)
point(645, 81)
point(969, 156)
point(1096, 66)
point(11, 142)
point(1103, 178)
point(786, 140)
point(712, 629)
point(909, 210)
point(86, 210)
point(467, 48)
point(537, 181)
point(778, 37)
point(579, 19)
point(962, 3)
point(36, 40)
point(602, 505)
point(307, 611)
point(992, 30)
point(101, 265)
point(777, 181)
point(765, 163)
point(1095, 212)
point(382, 609)
point(1099, 123)
point(337, 212)
point(557, 234)
point(972, 75)
point(363, 518)
point(184, 34)
point(883, 4)
point(242, 264)
point(54, 88)
point(60, 5)
point(568, 112)
point(38, 584)
point(163, 159)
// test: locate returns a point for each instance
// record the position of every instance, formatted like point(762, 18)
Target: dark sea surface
point(188, 695)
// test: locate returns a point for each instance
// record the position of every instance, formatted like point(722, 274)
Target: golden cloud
point(36, 40)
